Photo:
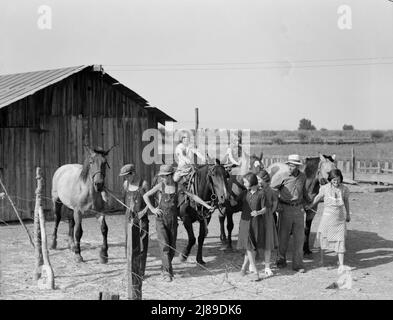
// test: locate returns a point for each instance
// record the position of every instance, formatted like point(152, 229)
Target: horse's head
point(256, 164)
point(218, 176)
point(94, 168)
point(326, 164)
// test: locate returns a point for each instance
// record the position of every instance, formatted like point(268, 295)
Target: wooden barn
point(46, 118)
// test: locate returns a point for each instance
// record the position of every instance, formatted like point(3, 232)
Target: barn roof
point(14, 87)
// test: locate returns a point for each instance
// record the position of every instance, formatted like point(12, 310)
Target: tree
point(306, 124)
point(348, 127)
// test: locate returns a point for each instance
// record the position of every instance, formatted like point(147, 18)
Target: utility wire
point(245, 63)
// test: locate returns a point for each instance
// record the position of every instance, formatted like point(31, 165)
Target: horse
point(79, 188)
point(235, 185)
point(209, 182)
point(316, 170)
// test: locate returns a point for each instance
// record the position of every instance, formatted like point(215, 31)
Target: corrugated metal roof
point(14, 87)
point(161, 115)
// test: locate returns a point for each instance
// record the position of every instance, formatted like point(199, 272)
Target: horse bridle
point(100, 171)
point(213, 196)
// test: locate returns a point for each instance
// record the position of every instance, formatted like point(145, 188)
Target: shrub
point(316, 140)
point(277, 140)
point(377, 135)
point(302, 137)
point(348, 127)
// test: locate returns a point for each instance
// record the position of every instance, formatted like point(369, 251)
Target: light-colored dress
point(332, 228)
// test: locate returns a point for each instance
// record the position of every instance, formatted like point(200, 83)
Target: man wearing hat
point(134, 187)
point(292, 193)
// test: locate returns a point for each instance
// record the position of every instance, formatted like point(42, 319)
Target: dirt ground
point(369, 253)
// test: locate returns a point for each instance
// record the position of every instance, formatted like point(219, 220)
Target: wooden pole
point(353, 163)
point(42, 250)
point(16, 212)
point(134, 260)
point(196, 132)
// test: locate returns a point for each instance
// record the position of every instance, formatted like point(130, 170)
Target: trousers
point(291, 219)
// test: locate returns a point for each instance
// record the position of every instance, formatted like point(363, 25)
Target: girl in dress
point(251, 227)
point(269, 230)
point(332, 228)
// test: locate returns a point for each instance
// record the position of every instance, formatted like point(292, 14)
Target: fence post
point(41, 246)
point(353, 163)
point(134, 260)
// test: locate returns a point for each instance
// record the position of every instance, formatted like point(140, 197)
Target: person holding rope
point(166, 214)
point(134, 187)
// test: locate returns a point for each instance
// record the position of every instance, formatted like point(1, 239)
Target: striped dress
point(332, 228)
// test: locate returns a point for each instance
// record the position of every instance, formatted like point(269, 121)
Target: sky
point(250, 64)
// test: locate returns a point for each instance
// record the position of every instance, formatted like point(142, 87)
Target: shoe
point(167, 278)
point(254, 276)
point(281, 263)
point(243, 272)
point(268, 272)
point(300, 270)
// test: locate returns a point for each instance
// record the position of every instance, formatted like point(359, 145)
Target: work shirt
point(292, 189)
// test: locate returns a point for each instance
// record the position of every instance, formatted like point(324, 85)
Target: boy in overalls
point(167, 213)
point(134, 187)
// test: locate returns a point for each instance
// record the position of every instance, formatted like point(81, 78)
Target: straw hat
point(127, 169)
point(294, 159)
point(165, 170)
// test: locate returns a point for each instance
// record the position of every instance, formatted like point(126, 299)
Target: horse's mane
point(311, 166)
point(85, 170)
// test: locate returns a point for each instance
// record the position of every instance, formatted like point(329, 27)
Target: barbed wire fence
point(221, 283)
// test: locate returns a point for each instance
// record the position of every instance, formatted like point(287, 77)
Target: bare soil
point(369, 253)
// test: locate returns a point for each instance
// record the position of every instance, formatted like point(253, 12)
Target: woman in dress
point(269, 224)
point(251, 226)
point(332, 228)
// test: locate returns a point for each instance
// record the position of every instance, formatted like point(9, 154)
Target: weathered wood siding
point(83, 109)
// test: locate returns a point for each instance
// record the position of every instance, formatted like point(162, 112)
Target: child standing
point(134, 187)
point(251, 227)
point(269, 225)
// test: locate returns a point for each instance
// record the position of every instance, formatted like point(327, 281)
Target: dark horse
point(79, 188)
point(209, 183)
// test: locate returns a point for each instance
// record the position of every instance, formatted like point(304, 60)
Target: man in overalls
point(134, 187)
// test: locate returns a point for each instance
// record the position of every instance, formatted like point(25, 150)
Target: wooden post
point(41, 249)
point(353, 163)
point(196, 133)
point(240, 143)
point(134, 260)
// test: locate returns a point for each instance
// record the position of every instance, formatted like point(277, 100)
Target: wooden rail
point(362, 170)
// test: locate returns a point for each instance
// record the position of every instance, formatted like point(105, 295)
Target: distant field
point(363, 151)
point(368, 144)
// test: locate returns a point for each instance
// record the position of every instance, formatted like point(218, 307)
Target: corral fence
point(360, 170)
